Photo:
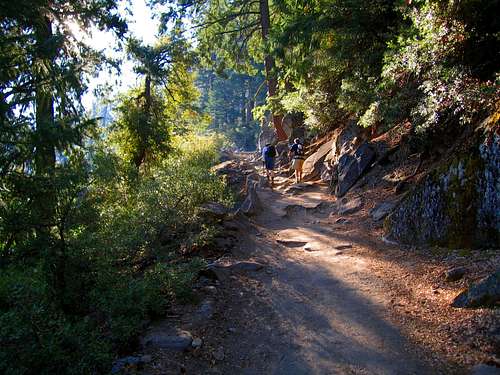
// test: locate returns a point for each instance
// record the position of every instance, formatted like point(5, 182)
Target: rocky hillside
point(448, 197)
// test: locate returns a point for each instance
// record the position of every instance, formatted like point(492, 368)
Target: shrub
point(111, 230)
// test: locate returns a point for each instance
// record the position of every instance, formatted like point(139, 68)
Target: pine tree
point(42, 79)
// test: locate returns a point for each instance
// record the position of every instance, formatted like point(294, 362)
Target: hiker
point(268, 155)
point(297, 152)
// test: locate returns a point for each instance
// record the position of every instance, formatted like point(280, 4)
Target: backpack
point(270, 151)
point(299, 150)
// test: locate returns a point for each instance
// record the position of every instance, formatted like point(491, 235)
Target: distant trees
point(164, 67)
point(235, 35)
point(229, 101)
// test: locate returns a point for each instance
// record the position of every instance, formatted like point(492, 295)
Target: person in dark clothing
point(297, 152)
point(268, 155)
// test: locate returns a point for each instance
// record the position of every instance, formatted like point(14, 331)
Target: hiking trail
point(306, 290)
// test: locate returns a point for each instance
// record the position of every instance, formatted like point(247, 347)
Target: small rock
point(486, 292)
point(311, 247)
point(219, 354)
point(346, 207)
point(291, 243)
point(215, 272)
point(246, 266)
point(295, 188)
point(196, 342)
point(343, 247)
point(381, 210)
point(388, 241)
point(165, 340)
point(342, 220)
point(455, 274)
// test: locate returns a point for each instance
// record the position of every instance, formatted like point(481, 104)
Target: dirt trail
point(316, 308)
point(320, 305)
point(329, 309)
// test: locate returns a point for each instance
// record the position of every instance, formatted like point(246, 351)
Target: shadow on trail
point(324, 320)
point(328, 327)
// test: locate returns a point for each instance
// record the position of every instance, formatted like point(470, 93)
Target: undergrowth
point(118, 223)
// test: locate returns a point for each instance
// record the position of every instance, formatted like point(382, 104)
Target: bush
point(112, 230)
point(36, 337)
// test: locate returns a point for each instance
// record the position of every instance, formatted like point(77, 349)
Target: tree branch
point(226, 18)
point(239, 29)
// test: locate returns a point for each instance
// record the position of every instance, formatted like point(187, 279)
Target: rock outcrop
point(344, 139)
point(382, 209)
point(312, 165)
point(352, 166)
point(456, 205)
point(484, 293)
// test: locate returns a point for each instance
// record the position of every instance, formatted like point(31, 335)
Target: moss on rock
point(457, 205)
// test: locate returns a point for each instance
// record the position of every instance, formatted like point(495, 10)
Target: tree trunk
point(249, 103)
point(45, 200)
point(45, 157)
point(140, 156)
point(272, 84)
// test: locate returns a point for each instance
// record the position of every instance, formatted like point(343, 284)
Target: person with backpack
point(268, 155)
point(297, 152)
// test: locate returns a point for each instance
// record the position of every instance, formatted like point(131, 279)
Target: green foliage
point(36, 337)
point(229, 101)
point(136, 131)
point(430, 68)
point(114, 223)
point(387, 62)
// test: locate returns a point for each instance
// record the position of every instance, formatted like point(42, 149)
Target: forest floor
point(331, 298)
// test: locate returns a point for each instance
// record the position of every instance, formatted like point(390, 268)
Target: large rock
point(231, 170)
point(455, 273)
point(456, 205)
point(345, 139)
point(328, 171)
point(351, 167)
point(484, 293)
point(313, 164)
point(349, 206)
point(381, 210)
point(214, 209)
